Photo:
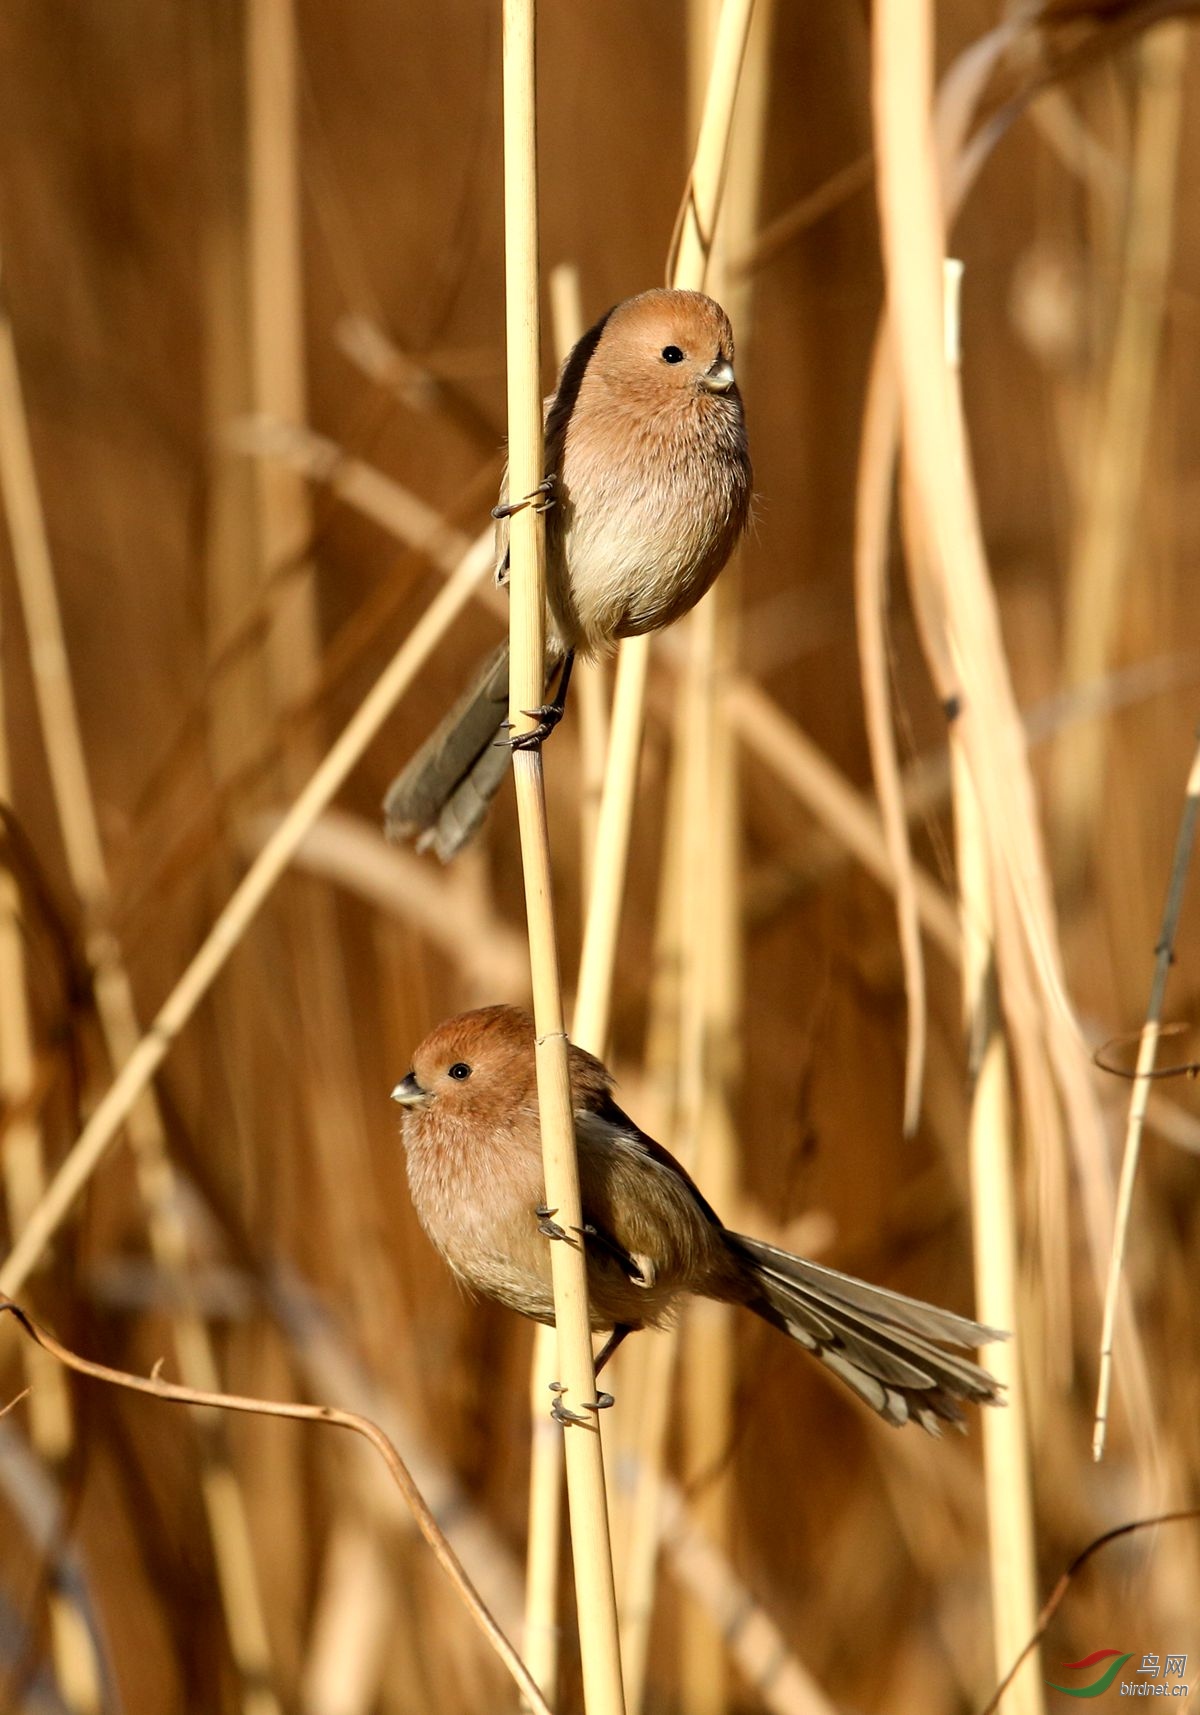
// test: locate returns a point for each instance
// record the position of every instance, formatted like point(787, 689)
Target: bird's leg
point(602, 1401)
point(547, 715)
point(619, 1333)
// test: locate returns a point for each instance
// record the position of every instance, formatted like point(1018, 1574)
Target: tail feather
point(443, 794)
point(888, 1348)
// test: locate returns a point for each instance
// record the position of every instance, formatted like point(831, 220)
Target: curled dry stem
point(426, 1523)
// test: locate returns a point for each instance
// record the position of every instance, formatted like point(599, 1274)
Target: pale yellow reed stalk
point(708, 892)
point(710, 1064)
point(686, 268)
point(645, 1368)
point(590, 685)
point(872, 516)
point(608, 865)
point(591, 1549)
point(544, 1534)
point(945, 533)
point(1007, 1483)
point(970, 665)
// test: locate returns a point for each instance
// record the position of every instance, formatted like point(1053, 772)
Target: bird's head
point(667, 348)
point(479, 1064)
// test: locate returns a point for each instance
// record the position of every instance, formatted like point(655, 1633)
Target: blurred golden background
point(252, 274)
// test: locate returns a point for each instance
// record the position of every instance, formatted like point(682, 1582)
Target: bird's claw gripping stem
point(561, 1414)
point(548, 1227)
point(541, 499)
point(547, 715)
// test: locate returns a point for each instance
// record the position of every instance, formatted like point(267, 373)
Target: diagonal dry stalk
point(754, 1641)
point(244, 904)
point(156, 1388)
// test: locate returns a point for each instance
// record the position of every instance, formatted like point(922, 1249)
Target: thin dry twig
point(1151, 1030)
point(295, 1410)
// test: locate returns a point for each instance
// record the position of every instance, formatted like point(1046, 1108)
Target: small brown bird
point(473, 1146)
point(648, 489)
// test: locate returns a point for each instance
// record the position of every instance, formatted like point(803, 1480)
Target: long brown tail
point(890, 1349)
point(443, 794)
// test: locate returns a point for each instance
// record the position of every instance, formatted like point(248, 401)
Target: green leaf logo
point(1105, 1679)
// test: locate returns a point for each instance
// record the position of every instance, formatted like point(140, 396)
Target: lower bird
point(472, 1139)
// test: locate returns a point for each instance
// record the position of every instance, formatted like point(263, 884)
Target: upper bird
point(648, 489)
point(472, 1139)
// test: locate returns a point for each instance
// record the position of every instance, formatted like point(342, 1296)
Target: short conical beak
point(720, 378)
point(409, 1093)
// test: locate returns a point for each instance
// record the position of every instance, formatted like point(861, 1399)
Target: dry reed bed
point(228, 597)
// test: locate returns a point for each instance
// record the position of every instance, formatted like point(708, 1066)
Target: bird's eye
point(672, 354)
point(460, 1070)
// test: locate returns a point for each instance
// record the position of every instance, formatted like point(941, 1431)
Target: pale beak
point(720, 378)
point(409, 1093)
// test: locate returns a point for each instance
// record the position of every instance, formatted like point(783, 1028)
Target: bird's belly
point(624, 583)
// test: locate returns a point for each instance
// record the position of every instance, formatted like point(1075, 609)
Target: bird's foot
point(542, 499)
point(547, 716)
point(548, 1227)
point(560, 1413)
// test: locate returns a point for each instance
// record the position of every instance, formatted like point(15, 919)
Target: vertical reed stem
point(592, 1552)
point(546, 1454)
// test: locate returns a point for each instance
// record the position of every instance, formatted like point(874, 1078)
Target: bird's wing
point(630, 1136)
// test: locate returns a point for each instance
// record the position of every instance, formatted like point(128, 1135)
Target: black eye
point(460, 1070)
point(672, 354)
